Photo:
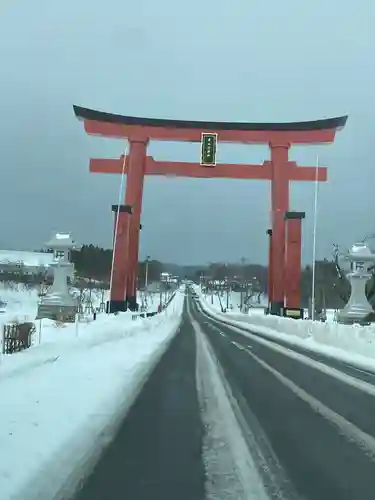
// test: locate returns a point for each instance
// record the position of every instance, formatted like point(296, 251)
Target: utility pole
point(243, 261)
point(146, 278)
point(227, 283)
point(146, 271)
point(160, 298)
point(102, 304)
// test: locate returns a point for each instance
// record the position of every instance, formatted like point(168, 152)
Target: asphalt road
point(157, 452)
point(314, 426)
point(320, 427)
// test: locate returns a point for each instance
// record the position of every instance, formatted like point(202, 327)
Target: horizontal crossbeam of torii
point(279, 170)
point(220, 171)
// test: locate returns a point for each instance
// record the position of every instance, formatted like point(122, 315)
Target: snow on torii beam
point(279, 137)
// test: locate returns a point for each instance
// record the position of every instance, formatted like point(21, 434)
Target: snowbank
point(57, 417)
point(351, 344)
point(52, 340)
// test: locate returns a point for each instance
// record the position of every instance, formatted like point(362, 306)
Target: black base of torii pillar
point(131, 300)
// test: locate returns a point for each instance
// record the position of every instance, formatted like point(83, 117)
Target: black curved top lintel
point(100, 116)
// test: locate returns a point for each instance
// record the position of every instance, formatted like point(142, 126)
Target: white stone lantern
point(357, 263)
point(58, 304)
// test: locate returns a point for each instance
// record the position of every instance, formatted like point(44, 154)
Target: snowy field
point(257, 306)
point(62, 400)
point(351, 344)
point(233, 300)
point(22, 303)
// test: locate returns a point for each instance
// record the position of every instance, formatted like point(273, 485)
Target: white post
point(76, 325)
point(40, 332)
point(2, 343)
point(116, 225)
point(314, 240)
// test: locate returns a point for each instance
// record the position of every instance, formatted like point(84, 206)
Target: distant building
point(168, 278)
point(17, 262)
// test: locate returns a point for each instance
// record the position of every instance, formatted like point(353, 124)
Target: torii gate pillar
point(134, 193)
point(279, 205)
point(123, 294)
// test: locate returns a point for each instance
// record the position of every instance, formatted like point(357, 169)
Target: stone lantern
point(356, 264)
point(58, 304)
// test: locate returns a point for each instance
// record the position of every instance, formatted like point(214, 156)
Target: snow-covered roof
point(361, 249)
point(61, 241)
point(27, 259)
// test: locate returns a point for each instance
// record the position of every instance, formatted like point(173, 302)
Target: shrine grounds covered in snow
point(62, 400)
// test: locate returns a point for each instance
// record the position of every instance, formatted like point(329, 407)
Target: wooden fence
point(17, 337)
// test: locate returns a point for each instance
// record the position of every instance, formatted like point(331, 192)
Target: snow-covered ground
point(257, 305)
point(22, 303)
point(351, 344)
point(62, 399)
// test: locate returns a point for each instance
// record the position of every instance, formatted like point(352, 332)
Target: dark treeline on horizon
point(331, 291)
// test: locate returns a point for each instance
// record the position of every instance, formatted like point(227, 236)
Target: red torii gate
point(279, 170)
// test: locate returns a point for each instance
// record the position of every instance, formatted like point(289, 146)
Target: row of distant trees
point(332, 289)
point(94, 262)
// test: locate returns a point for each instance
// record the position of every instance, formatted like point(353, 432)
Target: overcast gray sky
point(233, 60)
